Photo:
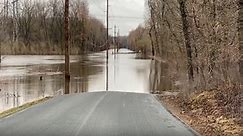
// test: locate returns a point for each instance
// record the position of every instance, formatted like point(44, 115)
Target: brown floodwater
point(27, 78)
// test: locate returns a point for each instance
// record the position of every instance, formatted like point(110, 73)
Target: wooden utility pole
point(117, 40)
point(107, 45)
point(67, 47)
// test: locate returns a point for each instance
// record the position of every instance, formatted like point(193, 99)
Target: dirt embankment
point(217, 112)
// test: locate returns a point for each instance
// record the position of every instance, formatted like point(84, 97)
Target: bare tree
point(241, 40)
point(37, 27)
point(185, 25)
point(26, 22)
point(151, 5)
point(198, 40)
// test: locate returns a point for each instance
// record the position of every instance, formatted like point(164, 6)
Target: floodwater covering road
point(27, 78)
point(127, 109)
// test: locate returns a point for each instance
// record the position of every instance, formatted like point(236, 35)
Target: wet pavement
point(96, 114)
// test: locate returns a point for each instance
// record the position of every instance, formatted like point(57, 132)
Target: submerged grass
point(23, 107)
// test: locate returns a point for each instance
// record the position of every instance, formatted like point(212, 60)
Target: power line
point(121, 17)
point(96, 5)
point(127, 17)
point(93, 2)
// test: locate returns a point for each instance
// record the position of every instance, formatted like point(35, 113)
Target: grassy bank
point(35, 49)
point(23, 107)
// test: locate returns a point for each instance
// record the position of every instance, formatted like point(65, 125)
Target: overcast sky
point(126, 14)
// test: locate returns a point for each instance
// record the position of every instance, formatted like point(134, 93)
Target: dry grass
point(23, 107)
point(41, 48)
point(215, 112)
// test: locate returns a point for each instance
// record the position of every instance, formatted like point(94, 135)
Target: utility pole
point(107, 45)
point(67, 48)
point(116, 43)
point(114, 39)
point(118, 35)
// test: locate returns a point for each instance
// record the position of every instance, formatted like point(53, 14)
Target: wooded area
point(198, 43)
point(198, 39)
point(37, 27)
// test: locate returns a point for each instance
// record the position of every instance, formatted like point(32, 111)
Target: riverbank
point(23, 107)
point(211, 113)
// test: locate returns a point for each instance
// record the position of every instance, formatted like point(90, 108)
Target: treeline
point(37, 27)
point(199, 40)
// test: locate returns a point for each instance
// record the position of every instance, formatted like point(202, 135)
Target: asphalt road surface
point(96, 114)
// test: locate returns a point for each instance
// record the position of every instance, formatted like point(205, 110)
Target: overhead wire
point(120, 17)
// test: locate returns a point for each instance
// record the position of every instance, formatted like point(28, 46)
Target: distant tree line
point(37, 27)
point(199, 40)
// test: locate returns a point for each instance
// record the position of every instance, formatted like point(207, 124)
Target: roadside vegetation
point(36, 27)
point(198, 44)
point(196, 41)
point(23, 107)
point(211, 113)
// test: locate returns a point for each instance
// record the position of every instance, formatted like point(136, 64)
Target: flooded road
point(27, 78)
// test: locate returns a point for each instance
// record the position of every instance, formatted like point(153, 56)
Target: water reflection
point(159, 77)
point(126, 73)
point(26, 81)
point(27, 78)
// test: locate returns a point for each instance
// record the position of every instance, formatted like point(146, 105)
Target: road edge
point(178, 118)
point(10, 112)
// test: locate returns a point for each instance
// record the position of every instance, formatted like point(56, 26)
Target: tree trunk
point(185, 24)
point(67, 47)
point(212, 56)
point(152, 13)
point(241, 40)
point(152, 42)
point(0, 53)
